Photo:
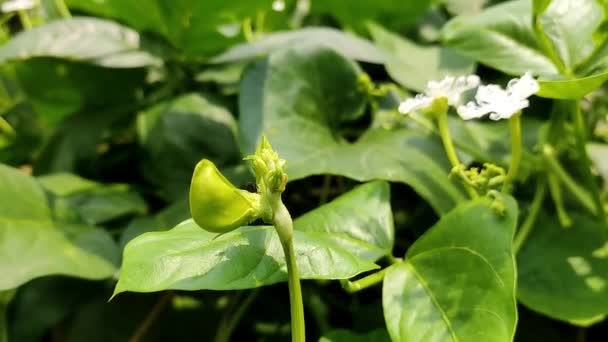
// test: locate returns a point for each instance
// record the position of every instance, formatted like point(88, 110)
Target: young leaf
point(92, 40)
point(33, 245)
point(301, 96)
point(330, 242)
point(502, 37)
point(563, 272)
point(413, 66)
point(457, 282)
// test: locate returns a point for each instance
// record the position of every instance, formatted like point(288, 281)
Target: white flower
point(450, 88)
point(498, 102)
point(17, 5)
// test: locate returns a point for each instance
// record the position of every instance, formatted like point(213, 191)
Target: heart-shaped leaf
point(502, 37)
point(93, 40)
point(563, 273)
point(331, 242)
point(33, 245)
point(345, 43)
point(292, 97)
point(457, 282)
point(413, 65)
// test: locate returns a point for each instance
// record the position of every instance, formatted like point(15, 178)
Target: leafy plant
point(141, 200)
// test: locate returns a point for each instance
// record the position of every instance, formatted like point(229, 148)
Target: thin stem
point(444, 133)
point(558, 201)
point(226, 328)
point(24, 17)
point(152, 316)
point(581, 141)
point(63, 10)
point(515, 126)
point(526, 227)
point(365, 282)
point(579, 193)
point(284, 225)
point(325, 188)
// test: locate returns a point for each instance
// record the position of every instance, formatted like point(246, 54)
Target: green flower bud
point(216, 204)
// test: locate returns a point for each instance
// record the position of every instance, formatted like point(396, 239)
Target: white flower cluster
point(490, 99)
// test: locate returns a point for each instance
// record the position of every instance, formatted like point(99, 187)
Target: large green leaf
point(195, 27)
point(301, 97)
point(457, 282)
point(502, 37)
point(58, 88)
point(569, 25)
point(329, 244)
point(563, 272)
point(345, 43)
point(413, 65)
point(33, 245)
point(96, 41)
point(178, 133)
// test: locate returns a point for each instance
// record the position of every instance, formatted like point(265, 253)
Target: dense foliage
point(106, 107)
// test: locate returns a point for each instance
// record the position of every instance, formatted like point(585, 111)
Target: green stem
point(444, 133)
point(230, 322)
point(365, 282)
point(325, 188)
point(581, 141)
point(526, 227)
point(63, 10)
point(152, 316)
point(515, 126)
point(24, 17)
point(579, 193)
point(558, 201)
point(284, 225)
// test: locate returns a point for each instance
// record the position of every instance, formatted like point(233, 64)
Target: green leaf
point(501, 37)
point(393, 13)
point(464, 7)
point(569, 25)
point(345, 43)
point(197, 28)
point(562, 272)
point(329, 244)
point(178, 133)
point(57, 88)
point(92, 40)
point(292, 98)
point(93, 202)
point(598, 153)
point(413, 66)
point(571, 89)
point(33, 245)
point(343, 335)
point(457, 282)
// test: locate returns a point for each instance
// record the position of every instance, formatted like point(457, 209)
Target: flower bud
point(216, 204)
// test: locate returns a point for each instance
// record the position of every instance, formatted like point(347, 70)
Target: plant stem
point(526, 227)
point(63, 10)
point(284, 226)
point(325, 188)
point(515, 127)
point(24, 17)
point(581, 141)
point(152, 316)
point(558, 201)
point(365, 282)
point(444, 133)
point(224, 332)
point(579, 193)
